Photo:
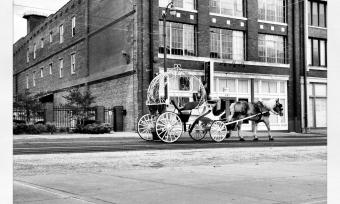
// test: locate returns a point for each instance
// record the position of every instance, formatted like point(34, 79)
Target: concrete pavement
point(240, 175)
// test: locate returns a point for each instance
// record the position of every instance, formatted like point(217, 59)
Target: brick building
point(246, 50)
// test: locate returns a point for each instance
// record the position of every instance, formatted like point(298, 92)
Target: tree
point(28, 104)
point(80, 103)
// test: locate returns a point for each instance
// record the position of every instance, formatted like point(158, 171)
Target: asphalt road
point(113, 144)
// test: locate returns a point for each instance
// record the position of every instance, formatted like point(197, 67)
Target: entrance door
point(320, 112)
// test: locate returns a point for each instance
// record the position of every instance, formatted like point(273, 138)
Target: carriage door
point(227, 101)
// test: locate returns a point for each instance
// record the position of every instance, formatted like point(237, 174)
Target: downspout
point(87, 29)
point(305, 95)
point(151, 49)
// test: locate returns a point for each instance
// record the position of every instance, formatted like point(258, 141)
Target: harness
point(259, 108)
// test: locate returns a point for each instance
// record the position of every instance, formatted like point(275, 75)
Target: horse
point(242, 109)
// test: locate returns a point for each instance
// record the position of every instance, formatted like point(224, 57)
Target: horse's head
point(278, 108)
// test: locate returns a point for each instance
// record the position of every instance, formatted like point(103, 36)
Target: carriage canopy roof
point(177, 82)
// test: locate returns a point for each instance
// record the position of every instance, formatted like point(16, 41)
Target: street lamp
point(168, 10)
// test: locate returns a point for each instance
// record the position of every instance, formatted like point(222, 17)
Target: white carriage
point(170, 117)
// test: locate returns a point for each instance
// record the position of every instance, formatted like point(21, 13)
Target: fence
point(36, 115)
point(65, 116)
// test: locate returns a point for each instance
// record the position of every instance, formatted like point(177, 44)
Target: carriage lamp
point(168, 10)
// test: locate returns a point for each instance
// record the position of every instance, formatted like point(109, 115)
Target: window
point(73, 26)
point(271, 48)
point(33, 79)
point(41, 72)
point(28, 55)
point(317, 52)
point(317, 13)
point(34, 51)
point(271, 10)
point(50, 68)
point(73, 63)
point(51, 37)
point(61, 33)
point(61, 67)
point(184, 4)
point(42, 43)
point(227, 7)
point(27, 82)
point(180, 39)
point(226, 44)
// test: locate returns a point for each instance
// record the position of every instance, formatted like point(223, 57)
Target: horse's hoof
point(242, 139)
point(271, 139)
point(228, 135)
point(256, 139)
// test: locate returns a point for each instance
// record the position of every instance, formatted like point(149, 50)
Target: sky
point(20, 7)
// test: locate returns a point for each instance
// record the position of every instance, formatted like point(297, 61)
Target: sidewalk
point(321, 132)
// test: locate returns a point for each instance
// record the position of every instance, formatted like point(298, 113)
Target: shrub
point(93, 128)
point(32, 129)
point(51, 127)
point(19, 128)
point(63, 129)
point(41, 128)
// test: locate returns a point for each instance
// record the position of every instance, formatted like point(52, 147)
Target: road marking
point(62, 194)
point(316, 201)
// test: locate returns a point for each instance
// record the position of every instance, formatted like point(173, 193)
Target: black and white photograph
point(171, 101)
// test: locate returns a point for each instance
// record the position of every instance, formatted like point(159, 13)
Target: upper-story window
point(73, 26)
point(184, 4)
point(227, 7)
point(28, 55)
point(272, 10)
point(27, 82)
point(50, 68)
point(73, 63)
point(42, 43)
point(61, 33)
point(61, 68)
point(41, 72)
point(180, 39)
point(226, 44)
point(34, 51)
point(51, 36)
point(317, 11)
point(317, 52)
point(33, 78)
point(271, 48)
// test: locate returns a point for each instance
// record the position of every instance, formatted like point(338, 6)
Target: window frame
point(170, 49)
point(310, 14)
point(51, 36)
point(33, 79)
point(42, 72)
point(219, 6)
point(61, 33)
point(266, 56)
point(310, 39)
point(34, 51)
point(61, 68)
point(73, 63)
point(73, 26)
point(220, 42)
point(284, 10)
point(42, 43)
point(50, 65)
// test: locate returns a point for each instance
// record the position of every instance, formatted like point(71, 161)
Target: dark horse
point(242, 109)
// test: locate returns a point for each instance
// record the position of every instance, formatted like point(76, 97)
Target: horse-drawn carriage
point(170, 117)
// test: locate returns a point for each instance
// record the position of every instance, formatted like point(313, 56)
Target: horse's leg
point(239, 124)
point(266, 122)
point(254, 131)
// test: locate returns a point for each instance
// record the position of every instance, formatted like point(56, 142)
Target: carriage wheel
point(198, 132)
point(169, 127)
point(218, 131)
point(145, 126)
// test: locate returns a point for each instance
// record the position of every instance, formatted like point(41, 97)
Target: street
point(131, 142)
point(184, 172)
